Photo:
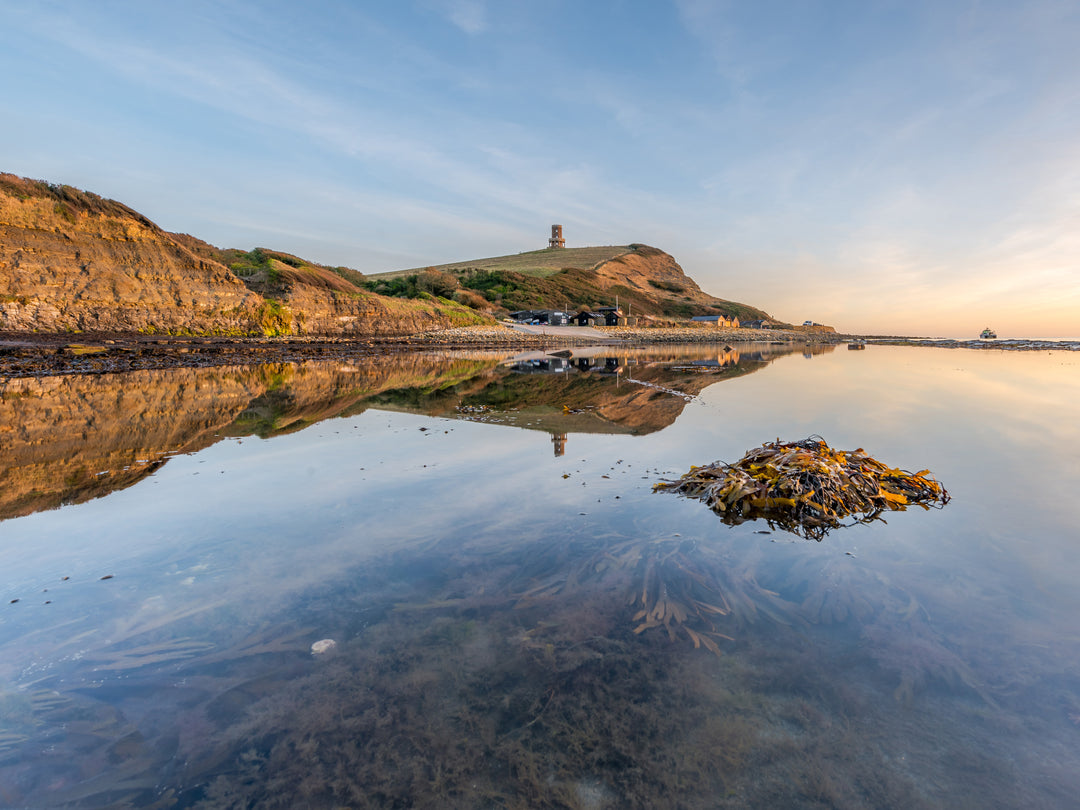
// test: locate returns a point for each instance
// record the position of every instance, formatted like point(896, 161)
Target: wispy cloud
point(869, 161)
point(468, 15)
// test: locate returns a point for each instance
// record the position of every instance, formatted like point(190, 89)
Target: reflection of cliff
point(303, 394)
point(69, 439)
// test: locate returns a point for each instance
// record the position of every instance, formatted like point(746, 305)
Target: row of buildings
point(603, 316)
point(613, 316)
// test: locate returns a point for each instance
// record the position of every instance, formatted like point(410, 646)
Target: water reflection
point(517, 628)
point(68, 439)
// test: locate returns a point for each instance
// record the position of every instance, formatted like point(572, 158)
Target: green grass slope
point(643, 280)
point(531, 263)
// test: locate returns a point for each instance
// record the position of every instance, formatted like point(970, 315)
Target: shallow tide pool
point(474, 534)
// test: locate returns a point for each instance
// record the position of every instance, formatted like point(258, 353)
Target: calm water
point(474, 536)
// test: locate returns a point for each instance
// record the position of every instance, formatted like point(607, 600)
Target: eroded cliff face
point(73, 261)
point(651, 271)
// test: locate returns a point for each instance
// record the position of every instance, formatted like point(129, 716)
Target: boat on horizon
point(987, 333)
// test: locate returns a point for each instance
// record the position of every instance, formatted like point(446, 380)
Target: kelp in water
point(806, 487)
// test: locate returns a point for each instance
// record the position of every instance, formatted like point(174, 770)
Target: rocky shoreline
point(36, 354)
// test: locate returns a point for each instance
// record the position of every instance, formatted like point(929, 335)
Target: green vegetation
point(416, 285)
point(494, 285)
point(245, 264)
point(459, 314)
point(274, 319)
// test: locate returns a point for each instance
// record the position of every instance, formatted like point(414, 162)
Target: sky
point(908, 167)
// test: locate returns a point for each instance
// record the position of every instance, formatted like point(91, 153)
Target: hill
point(71, 261)
point(643, 280)
point(531, 263)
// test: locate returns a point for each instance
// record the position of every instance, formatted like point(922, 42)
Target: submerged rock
point(323, 646)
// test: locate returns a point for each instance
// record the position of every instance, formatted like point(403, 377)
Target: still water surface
point(474, 532)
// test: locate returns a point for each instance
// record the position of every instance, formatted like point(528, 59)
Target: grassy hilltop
point(545, 262)
point(642, 279)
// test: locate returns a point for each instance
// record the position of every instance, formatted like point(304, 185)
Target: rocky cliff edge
point(71, 261)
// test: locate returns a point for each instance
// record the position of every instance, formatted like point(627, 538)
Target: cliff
point(73, 261)
point(70, 260)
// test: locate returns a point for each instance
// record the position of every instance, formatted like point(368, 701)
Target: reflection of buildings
point(559, 365)
point(725, 358)
point(603, 365)
point(559, 441)
point(545, 365)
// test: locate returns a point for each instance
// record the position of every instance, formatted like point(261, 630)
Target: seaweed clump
point(806, 487)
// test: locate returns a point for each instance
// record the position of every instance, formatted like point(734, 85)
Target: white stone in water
point(323, 646)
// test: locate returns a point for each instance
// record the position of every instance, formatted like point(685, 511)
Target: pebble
point(323, 646)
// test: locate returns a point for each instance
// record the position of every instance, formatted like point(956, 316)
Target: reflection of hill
point(69, 439)
point(597, 390)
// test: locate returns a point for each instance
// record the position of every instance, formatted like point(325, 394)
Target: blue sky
point(886, 167)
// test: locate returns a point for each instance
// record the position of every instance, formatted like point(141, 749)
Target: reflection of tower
point(559, 440)
point(556, 240)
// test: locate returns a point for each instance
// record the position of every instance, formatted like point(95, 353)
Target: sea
point(449, 580)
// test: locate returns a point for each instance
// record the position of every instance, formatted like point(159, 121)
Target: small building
point(759, 323)
point(586, 318)
point(611, 315)
point(719, 321)
point(556, 240)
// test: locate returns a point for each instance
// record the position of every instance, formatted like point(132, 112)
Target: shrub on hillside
point(436, 282)
point(471, 299)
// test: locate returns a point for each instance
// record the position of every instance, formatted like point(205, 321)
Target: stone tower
point(556, 239)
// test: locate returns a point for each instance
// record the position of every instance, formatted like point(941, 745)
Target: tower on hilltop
point(556, 239)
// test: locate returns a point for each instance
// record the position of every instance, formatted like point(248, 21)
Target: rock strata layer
point(71, 261)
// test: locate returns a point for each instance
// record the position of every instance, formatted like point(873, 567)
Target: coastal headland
point(89, 285)
point(74, 262)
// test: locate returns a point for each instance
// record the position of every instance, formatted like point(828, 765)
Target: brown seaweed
point(806, 487)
